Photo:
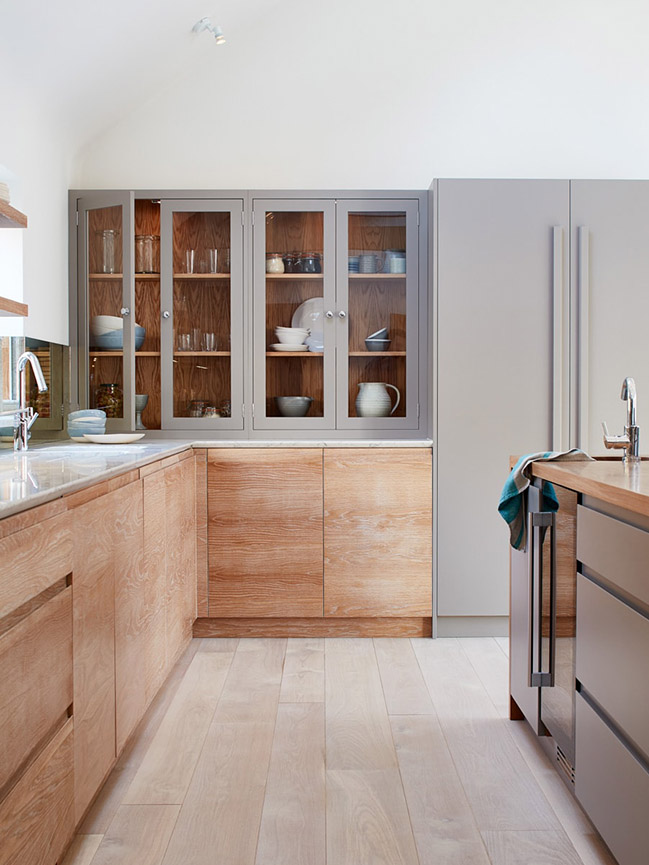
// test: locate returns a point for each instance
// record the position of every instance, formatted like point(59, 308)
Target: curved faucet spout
point(25, 416)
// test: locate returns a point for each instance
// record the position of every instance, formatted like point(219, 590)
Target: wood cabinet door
point(377, 532)
point(265, 532)
point(93, 589)
point(180, 529)
point(133, 612)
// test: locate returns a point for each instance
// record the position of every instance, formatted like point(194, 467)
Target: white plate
point(309, 314)
point(114, 438)
point(283, 346)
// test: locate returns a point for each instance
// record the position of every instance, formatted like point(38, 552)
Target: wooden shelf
point(12, 308)
point(377, 275)
point(103, 276)
point(10, 217)
point(121, 353)
point(377, 353)
point(294, 353)
point(201, 354)
point(294, 275)
point(147, 276)
point(201, 276)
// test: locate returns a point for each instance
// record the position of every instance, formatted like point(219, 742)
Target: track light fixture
point(214, 29)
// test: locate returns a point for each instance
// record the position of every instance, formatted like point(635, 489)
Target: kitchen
point(114, 157)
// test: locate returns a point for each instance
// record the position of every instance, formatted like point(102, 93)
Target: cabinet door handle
point(329, 314)
point(125, 311)
point(166, 313)
point(342, 314)
point(540, 522)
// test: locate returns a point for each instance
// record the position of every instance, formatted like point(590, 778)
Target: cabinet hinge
point(252, 217)
point(418, 408)
point(62, 409)
point(77, 217)
point(417, 217)
point(243, 409)
point(243, 218)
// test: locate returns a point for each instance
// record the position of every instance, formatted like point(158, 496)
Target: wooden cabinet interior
point(293, 232)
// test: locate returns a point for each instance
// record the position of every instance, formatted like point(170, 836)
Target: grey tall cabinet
point(541, 310)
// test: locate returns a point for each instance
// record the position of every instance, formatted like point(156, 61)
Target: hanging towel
point(512, 505)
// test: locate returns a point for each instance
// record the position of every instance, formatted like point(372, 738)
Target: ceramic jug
point(373, 399)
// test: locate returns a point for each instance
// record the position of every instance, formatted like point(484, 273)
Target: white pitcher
point(373, 399)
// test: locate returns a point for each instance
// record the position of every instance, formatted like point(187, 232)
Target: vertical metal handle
point(540, 522)
point(559, 442)
point(583, 298)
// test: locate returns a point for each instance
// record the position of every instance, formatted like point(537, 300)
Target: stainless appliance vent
point(564, 763)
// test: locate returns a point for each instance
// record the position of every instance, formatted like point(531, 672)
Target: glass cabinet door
point(377, 314)
point(294, 279)
point(202, 315)
point(105, 322)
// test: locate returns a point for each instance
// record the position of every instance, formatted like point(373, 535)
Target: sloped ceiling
point(86, 63)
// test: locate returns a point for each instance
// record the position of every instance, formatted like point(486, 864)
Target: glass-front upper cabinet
point(202, 314)
point(106, 333)
point(294, 303)
point(377, 314)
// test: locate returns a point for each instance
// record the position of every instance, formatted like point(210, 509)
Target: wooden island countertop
point(608, 479)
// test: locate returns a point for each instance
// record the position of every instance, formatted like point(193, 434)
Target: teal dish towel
point(512, 499)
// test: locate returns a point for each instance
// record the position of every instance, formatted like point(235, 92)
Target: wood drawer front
point(615, 550)
point(265, 532)
point(378, 532)
point(37, 816)
point(36, 676)
point(32, 560)
point(612, 652)
point(612, 787)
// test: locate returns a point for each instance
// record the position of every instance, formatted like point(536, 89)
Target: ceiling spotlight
point(214, 29)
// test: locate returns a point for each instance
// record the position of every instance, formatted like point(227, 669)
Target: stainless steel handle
point(166, 313)
point(539, 523)
point(559, 348)
point(583, 296)
point(125, 311)
point(342, 314)
point(329, 314)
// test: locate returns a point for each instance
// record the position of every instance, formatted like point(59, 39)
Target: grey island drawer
point(615, 550)
point(612, 786)
point(612, 652)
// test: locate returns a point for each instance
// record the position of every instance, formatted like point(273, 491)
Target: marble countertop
point(50, 470)
point(610, 480)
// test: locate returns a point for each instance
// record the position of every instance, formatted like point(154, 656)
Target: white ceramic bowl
point(100, 325)
point(291, 335)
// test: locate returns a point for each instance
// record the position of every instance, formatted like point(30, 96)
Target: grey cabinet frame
point(97, 201)
point(259, 208)
point(167, 208)
point(343, 209)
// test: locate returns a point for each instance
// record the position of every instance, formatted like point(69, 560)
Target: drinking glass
point(196, 339)
point(209, 342)
point(184, 342)
point(189, 260)
point(214, 258)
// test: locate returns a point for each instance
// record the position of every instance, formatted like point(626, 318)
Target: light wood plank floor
point(336, 752)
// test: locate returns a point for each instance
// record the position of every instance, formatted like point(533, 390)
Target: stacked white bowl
point(87, 421)
point(290, 338)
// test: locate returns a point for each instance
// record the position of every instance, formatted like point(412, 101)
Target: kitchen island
point(580, 639)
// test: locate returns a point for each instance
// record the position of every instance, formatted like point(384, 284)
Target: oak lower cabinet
point(36, 730)
point(319, 541)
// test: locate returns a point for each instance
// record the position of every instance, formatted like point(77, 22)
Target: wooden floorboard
point(358, 729)
point(442, 820)
point(293, 819)
point(167, 768)
point(376, 774)
point(138, 835)
point(403, 686)
point(303, 678)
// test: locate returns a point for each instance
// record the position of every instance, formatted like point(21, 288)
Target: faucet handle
point(610, 441)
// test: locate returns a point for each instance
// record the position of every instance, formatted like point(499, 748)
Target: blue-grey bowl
point(92, 431)
point(114, 339)
point(87, 413)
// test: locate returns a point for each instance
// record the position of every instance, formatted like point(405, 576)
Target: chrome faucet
point(25, 415)
point(630, 441)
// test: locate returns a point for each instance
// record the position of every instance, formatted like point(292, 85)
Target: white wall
point(35, 151)
point(373, 93)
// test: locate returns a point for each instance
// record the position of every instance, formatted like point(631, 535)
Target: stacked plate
point(290, 339)
point(87, 421)
point(107, 333)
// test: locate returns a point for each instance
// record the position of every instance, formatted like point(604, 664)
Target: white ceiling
point(87, 63)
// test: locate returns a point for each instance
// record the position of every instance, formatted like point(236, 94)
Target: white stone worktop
point(50, 470)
